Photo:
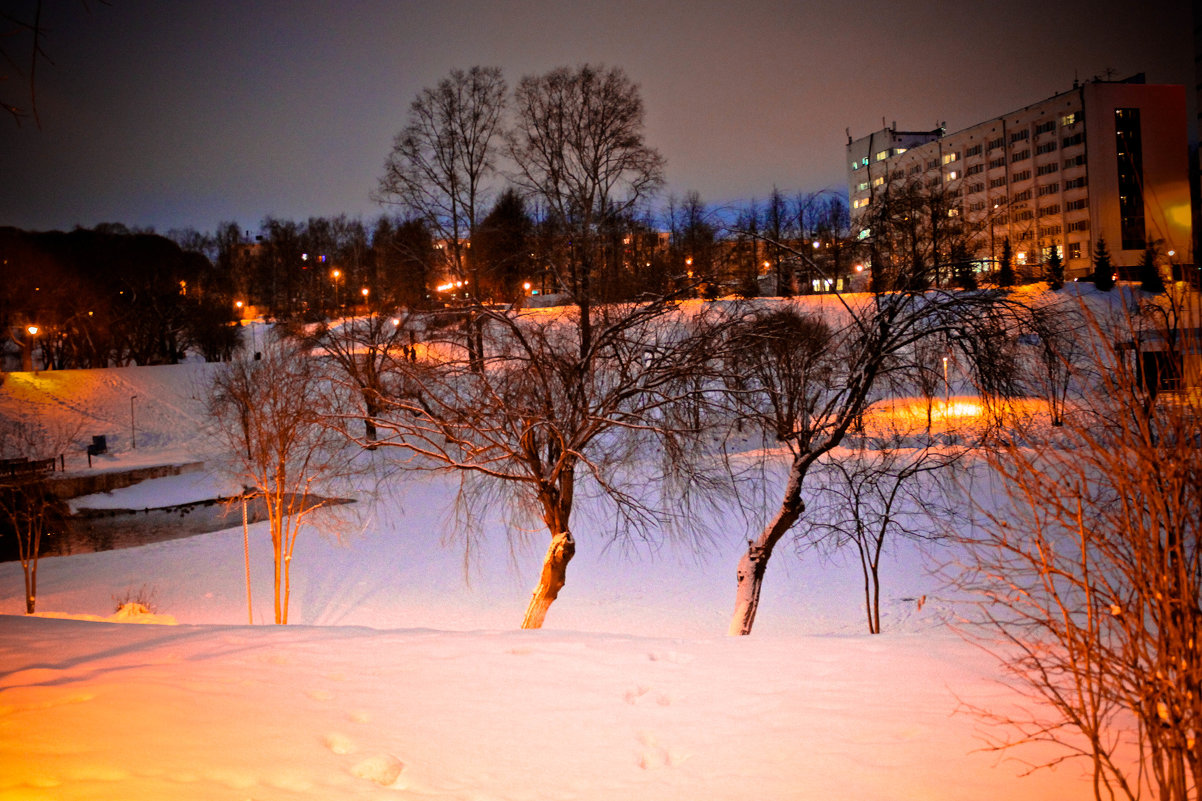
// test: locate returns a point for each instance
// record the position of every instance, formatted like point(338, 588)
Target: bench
point(99, 445)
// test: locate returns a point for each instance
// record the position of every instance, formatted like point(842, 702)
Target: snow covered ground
point(404, 674)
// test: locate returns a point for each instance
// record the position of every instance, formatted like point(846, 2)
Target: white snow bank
point(96, 710)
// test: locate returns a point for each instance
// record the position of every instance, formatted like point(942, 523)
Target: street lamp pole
point(947, 388)
point(133, 431)
point(32, 330)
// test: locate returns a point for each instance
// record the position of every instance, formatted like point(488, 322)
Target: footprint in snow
point(382, 769)
point(339, 743)
point(653, 756)
point(634, 696)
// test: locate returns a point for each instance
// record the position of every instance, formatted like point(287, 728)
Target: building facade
point(1106, 160)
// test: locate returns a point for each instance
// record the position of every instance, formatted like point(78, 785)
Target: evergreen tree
point(1103, 270)
point(1005, 271)
point(1149, 273)
point(962, 268)
point(1055, 269)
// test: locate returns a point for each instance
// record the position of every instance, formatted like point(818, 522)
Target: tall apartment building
point(1104, 160)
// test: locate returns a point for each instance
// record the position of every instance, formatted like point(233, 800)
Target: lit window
point(948, 158)
point(882, 155)
point(952, 175)
point(953, 212)
point(861, 186)
point(855, 165)
point(878, 181)
point(1021, 257)
point(897, 151)
point(1068, 119)
point(1074, 250)
point(860, 203)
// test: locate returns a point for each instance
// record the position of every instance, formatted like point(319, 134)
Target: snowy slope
point(406, 675)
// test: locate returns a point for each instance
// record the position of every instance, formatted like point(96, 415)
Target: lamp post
point(947, 388)
point(32, 330)
point(133, 431)
point(335, 275)
point(254, 348)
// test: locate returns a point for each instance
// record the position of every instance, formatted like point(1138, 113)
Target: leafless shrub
point(1087, 577)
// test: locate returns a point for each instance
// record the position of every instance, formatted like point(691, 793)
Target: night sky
point(179, 113)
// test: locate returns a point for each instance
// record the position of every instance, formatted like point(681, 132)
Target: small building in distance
point(1105, 160)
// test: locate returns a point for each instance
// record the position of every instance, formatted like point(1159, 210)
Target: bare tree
point(578, 147)
point(31, 511)
point(1089, 575)
point(882, 490)
point(542, 418)
point(362, 349)
point(807, 380)
point(1056, 337)
point(442, 159)
point(272, 416)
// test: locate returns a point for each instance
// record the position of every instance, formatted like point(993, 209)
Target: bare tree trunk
point(750, 574)
point(250, 609)
point(551, 581)
point(31, 587)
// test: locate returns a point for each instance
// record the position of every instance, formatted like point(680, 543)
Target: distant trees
point(503, 247)
point(577, 145)
point(111, 297)
point(694, 252)
point(443, 158)
point(914, 232)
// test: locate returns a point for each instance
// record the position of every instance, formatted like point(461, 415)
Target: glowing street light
point(32, 330)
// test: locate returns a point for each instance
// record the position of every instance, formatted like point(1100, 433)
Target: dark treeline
point(107, 296)
point(112, 296)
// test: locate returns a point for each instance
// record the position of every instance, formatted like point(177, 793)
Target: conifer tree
point(1103, 270)
point(1055, 269)
point(1005, 271)
point(1149, 273)
point(962, 269)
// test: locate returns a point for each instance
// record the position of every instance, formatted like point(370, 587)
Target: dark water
point(111, 529)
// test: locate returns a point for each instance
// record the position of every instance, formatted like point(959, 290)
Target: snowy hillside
point(406, 676)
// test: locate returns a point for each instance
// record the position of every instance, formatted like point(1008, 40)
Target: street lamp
point(947, 388)
point(335, 274)
point(32, 330)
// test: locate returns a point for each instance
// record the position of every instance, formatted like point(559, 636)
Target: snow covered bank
point(96, 710)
